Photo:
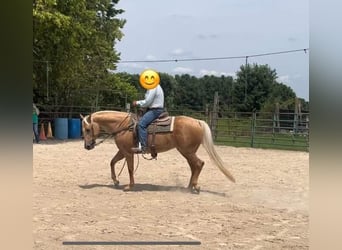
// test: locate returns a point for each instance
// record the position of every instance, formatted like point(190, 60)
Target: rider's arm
point(149, 97)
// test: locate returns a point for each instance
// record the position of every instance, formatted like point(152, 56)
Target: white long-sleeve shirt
point(154, 98)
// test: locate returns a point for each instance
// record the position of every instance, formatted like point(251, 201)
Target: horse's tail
point(208, 144)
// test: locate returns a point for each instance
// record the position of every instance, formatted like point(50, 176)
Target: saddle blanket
point(162, 125)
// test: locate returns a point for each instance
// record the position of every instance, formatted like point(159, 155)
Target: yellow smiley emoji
point(149, 79)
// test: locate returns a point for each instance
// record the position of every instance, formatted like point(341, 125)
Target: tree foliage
point(73, 48)
point(255, 89)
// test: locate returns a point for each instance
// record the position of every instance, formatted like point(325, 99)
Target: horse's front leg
point(119, 156)
point(130, 163)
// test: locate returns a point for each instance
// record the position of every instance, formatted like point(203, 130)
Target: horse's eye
point(87, 130)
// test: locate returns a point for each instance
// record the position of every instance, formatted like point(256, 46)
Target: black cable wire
point(204, 58)
point(214, 58)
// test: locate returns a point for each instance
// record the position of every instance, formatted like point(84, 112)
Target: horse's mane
point(108, 115)
point(106, 112)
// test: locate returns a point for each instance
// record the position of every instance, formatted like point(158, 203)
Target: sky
point(192, 29)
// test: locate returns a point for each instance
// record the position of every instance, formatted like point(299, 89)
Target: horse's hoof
point(196, 190)
point(116, 183)
point(127, 188)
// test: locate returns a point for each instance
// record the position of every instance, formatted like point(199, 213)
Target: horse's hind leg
point(119, 156)
point(196, 166)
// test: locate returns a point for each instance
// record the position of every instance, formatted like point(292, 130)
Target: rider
point(35, 114)
point(154, 102)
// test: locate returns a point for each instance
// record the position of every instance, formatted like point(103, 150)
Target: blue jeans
point(35, 131)
point(146, 120)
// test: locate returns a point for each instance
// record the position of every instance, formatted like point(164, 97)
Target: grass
point(240, 132)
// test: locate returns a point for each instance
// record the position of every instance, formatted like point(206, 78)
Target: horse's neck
point(111, 120)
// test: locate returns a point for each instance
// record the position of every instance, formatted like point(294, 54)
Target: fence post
point(277, 118)
point(295, 118)
point(253, 124)
point(214, 116)
point(274, 123)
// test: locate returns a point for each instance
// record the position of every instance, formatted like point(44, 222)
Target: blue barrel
point(74, 128)
point(61, 128)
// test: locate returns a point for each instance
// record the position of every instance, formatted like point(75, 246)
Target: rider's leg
point(147, 118)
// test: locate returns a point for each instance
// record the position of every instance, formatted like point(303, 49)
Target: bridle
point(115, 133)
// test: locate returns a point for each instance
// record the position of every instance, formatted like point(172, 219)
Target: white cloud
point(284, 79)
point(207, 36)
point(182, 70)
point(179, 52)
point(150, 57)
point(132, 65)
point(208, 72)
point(181, 16)
point(232, 74)
point(204, 72)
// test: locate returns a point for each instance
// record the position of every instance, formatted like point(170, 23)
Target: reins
point(123, 165)
point(152, 158)
point(113, 134)
point(98, 143)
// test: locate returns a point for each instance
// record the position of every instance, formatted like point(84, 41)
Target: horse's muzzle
point(90, 145)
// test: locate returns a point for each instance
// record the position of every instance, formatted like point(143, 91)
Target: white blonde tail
point(208, 144)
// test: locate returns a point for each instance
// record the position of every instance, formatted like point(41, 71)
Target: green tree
point(281, 94)
point(305, 104)
point(169, 85)
point(189, 92)
point(252, 87)
point(73, 47)
point(119, 92)
point(212, 84)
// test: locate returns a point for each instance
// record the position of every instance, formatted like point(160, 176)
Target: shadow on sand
point(150, 187)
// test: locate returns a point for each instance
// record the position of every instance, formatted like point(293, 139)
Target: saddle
point(163, 124)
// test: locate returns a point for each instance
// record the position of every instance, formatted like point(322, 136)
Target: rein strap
point(115, 133)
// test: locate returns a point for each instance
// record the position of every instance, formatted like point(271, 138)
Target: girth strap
point(153, 146)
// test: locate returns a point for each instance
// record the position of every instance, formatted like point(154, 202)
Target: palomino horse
point(187, 135)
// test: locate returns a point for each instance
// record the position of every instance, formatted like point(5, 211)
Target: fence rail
point(241, 129)
point(258, 130)
point(263, 130)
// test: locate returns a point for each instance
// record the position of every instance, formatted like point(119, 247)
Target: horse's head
point(90, 131)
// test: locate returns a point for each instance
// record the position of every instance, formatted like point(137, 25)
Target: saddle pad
point(161, 126)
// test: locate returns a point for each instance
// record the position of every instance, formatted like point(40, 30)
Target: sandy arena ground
point(74, 200)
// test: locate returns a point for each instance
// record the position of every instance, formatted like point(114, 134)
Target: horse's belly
point(162, 142)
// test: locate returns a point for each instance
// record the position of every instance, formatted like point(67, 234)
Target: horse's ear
point(86, 118)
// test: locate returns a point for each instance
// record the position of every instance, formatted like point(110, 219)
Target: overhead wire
point(214, 58)
point(203, 58)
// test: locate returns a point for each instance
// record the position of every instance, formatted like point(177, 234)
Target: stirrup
point(138, 150)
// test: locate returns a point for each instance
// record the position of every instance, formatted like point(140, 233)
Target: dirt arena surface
point(74, 200)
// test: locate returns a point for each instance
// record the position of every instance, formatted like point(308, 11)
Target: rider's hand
point(134, 103)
